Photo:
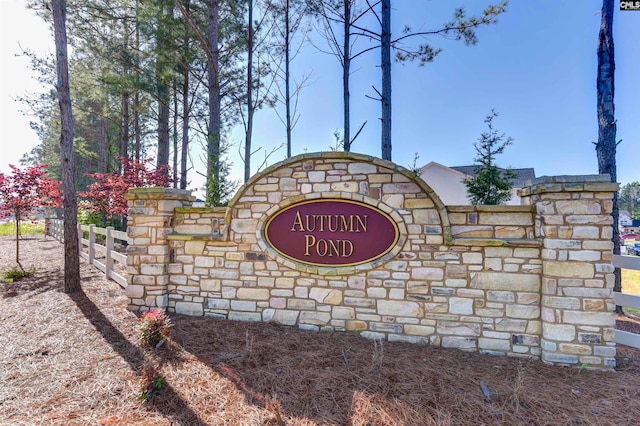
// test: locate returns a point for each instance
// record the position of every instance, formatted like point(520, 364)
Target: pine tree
point(606, 146)
point(630, 199)
point(70, 203)
point(490, 185)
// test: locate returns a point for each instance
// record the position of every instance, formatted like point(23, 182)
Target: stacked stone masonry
point(529, 281)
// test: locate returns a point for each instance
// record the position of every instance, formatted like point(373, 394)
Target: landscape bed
point(74, 360)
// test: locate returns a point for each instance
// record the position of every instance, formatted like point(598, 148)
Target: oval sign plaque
point(329, 232)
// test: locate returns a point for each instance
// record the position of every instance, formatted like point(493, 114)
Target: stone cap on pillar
point(159, 193)
point(568, 183)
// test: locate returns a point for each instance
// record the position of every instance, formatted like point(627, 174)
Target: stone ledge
point(157, 193)
point(492, 209)
point(496, 242)
point(566, 183)
point(568, 179)
point(185, 210)
point(193, 237)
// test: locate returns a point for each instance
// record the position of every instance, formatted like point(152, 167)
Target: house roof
point(434, 165)
point(522, 175)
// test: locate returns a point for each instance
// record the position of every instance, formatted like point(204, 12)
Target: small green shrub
point(87, 217)
point(12, 274)
point(153, 328)
point(151, 384)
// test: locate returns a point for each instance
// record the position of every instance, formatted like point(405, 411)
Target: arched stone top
point(389, 168)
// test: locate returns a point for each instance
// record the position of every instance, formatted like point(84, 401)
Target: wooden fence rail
point(627, 300)
point(55, 228)
point(102, 256)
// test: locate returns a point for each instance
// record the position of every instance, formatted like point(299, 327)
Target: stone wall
point(531, 280)
point(573, 219)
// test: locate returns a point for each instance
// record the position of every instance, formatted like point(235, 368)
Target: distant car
point(634, 249)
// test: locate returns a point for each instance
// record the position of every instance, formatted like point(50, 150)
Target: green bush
point(15, 273)
point(85, 217)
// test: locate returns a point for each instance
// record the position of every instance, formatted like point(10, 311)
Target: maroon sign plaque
point(331, 232)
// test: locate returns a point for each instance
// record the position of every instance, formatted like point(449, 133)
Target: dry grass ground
point(74, 360)
point(631, 281)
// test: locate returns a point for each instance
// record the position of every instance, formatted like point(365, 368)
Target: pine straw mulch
point(73, 360)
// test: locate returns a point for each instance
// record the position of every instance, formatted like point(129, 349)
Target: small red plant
point(151, 384)
point(153, 328)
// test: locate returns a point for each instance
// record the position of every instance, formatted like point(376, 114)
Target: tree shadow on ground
point(178, 410)
point(45, 276)
point(331, 378)
point(311, 377)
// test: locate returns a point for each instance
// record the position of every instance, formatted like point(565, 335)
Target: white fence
point(627, 300)
point(102, 256)
point(54, 228)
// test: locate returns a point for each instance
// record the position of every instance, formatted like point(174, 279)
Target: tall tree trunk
point(214, 186)
point(103, 149)
point(250, 106)
point(385, 49)
point(124, 136)
point(71, 255)
point(185, 109)
point(346, 70)
point(136, 125)
point(175, 137)
point(163, 125)
point(606, 146)
point(125, 132)
point(162, 87)
point(124, 153)
point(136, 96)
point(18, 214)
point(185, 132)
point(287, 73)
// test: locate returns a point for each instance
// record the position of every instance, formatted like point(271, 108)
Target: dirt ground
point(74, 360)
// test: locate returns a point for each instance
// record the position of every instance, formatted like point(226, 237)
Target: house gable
point(448, 182)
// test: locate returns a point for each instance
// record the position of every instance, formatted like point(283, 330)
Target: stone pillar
point(150, 217)
point(573, 219)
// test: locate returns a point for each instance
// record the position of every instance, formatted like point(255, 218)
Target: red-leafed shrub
point(153, 328)
point(106, 194)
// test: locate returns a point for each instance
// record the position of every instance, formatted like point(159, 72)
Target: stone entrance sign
point(347, 242)
point(328, 232)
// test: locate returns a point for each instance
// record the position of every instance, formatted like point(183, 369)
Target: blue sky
point(536, 67)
